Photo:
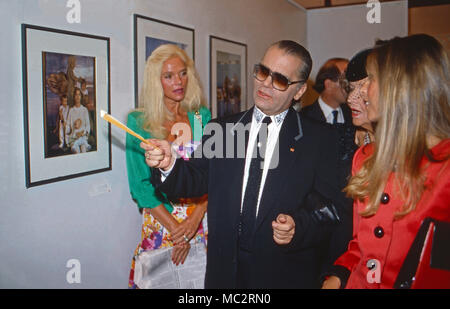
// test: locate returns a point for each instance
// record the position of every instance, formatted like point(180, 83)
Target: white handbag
point(154, 269)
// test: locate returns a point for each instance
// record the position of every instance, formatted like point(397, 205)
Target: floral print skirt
point(154, 236)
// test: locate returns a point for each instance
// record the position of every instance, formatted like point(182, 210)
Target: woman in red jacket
point(404, 176)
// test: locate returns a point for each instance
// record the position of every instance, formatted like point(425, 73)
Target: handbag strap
point(408, 270)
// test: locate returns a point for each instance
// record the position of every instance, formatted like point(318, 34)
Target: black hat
point(356, 69)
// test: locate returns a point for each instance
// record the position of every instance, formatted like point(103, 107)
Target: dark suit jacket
point(314, 111)
point(345, 134)
point(307, 160)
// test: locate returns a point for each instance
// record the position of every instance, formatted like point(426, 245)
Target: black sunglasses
point(279, 81)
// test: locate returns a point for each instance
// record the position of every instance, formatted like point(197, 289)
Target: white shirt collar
point(327, 111)
point(277, 119)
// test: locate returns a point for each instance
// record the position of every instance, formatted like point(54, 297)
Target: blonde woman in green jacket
point(171, 107)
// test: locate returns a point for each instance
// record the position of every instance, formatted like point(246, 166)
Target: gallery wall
point(92, 219)
point(343, 31)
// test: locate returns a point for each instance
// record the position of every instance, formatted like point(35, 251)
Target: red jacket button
point(379, 232)
point(385, 198)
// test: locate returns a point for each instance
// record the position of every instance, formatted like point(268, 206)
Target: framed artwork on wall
point(228, 76)
point(149, 33)
point(66, 82)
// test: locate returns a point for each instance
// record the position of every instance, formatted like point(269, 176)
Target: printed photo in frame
point(66, 82)
point(228, 77)
point(149, 33)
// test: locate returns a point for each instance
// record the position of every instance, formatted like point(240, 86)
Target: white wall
point(41, 228)
point(343, 31)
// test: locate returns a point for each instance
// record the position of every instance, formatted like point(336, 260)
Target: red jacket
point(383, 242)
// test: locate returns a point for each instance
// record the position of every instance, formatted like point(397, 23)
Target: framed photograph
point(228, 76)
point(66, 82)
point(150, 33)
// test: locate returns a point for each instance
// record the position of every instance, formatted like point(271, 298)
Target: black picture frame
point(146, 28)
point(44, 164)
point(233, 52)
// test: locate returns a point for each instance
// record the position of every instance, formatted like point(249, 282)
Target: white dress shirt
point(328, 112)
point(272, 138)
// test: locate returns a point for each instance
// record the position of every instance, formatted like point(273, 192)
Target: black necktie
point(248, 214)
point(335, 115)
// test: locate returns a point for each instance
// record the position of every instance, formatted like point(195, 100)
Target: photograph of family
point(69, 104)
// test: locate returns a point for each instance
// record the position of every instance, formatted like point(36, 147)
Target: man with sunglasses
point(262, 232)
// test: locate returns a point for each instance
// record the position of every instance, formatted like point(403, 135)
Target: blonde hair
point(413, 77)
point(151, 99)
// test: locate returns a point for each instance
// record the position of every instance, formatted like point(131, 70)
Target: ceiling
point(314, 4)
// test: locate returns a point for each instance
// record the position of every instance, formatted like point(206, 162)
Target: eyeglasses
point(279, 81)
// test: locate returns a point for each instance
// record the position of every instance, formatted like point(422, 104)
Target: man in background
point(330, 107)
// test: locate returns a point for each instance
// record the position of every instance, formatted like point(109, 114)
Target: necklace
point(367, 138)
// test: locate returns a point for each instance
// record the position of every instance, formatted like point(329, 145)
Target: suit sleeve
point(341, 233)
point(331, 238)
point(344, 263)
point(188, 178)
point(310, 232)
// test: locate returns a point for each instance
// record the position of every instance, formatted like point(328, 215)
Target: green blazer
point(142, 191)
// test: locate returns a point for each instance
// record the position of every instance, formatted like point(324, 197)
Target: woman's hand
point(332, 282)
point(187, 229)
point(180, 252)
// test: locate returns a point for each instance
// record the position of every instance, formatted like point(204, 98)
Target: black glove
point(322, 209)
